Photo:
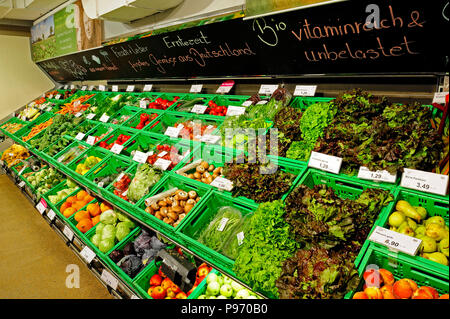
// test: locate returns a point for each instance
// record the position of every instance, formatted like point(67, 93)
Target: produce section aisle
point(33, 257)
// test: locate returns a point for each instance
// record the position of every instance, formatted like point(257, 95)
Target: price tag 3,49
point(395, 241)
point(425, 181)
point(325, 162)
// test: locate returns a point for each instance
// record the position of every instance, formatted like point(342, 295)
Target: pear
point(406, 229)
point(435, 220)
point(411, 223)
point(435, 231)
point(443, 246)
point(422, 211)
point(396, 219)
point(437, 257)
point(428, 244)
point(420, 230)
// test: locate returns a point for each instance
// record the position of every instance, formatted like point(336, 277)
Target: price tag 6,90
point(395, 241)
point(199, 109)
point(222, 183)
point(109, 279)
point(147, 88)
point(51, 214)
point(130, 88)
point(382, 176)
point(425, 181)
point(140, 157)
point(267, 89)
point(305, 90)
point(196, 88)
point(325, 162)
point(87, 254)
point(68, 233)
point(116, 148)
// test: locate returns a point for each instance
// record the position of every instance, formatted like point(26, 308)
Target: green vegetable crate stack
point(276, 223)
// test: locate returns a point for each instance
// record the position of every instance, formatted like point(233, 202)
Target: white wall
point(20, 79)
point(186, 10)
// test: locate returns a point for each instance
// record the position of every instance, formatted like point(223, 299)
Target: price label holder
point(380, 176)
point(115, 88)
point(90, 140)
point(57, 96)
point(163, 153)
point(68, 233)
point(240, 238)
point(173, 131)
point(116, 148)
point(143, 104)
point(90, 116)
point(109, 279)
point(163, 164)
point(210, 139)
point(83, 88)
point(247, 103)
point(199, 109)
point(91, 87)
point(140, 157)
point(395, 241)
point(261, 102)
point(72, 87)
point(87, 254)
point(235, 110)
point(134, 297)
point(102, 88)
point(222, 183)
point(51, 214)
point(21, 184)
point(78, 114)
point(439, 97)
point(130, 88)
point(305, 90)
point(40, 207)
point(225, 87)
point(80, 136)
point(104, 118)
point(222, 224)
point(65, 87)
point(267, 89)
point(325, 162)
point(147, 88)
point(196, 88)
point(424, 181)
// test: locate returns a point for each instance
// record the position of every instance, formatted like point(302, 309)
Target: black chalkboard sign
point(332, 39)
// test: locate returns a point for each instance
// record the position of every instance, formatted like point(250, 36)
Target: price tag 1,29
point(130, 88)
point(109, 279)
point(382, 176)
point(325, 162)
point(235, 110)
point(267, 89)
point(425, 181)
point(87, 254)
point(116, 148)
point(140, 157)
point(199, 109)
point(147, 88)
point(222, 183)
point(163, 164)
point(196, 88)
point(68, 233)
point(395, 241)
point(305, 90)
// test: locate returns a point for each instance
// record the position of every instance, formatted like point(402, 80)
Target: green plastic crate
point(54, 191)
point(401, 268)
point(123, 115)
point(93, 151)
point(202, 99)
point(70, 153)
point(135, 120)
point(345, 187)
point(11, 121)
point(435, 206)
point(201, 218)
point(112, 137)
point(41, 119)
point(143, 141)
point(101, 130)
point(303, 102)
point(170, 182)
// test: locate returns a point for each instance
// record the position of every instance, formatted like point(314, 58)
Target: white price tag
point(147, 88)
point(50, 96)
point(68, 233)
point(102, 88)
point(134, 297)
point(90, 116)
point(325, 162)
point(21, 184)
point(240, 238)
point(78, 114)
point(40, 208)
point(305, 90)
point(395, 241)
point(261, 102)
point(130, 88)
point(104, 118)
point(115, 88)
point(199, 109)
point(87, 254)
point(439, 97)
point(210, 139)
point(235, 110)
point(91, 87)
point(163, 153)
point(247, 103)
point(109, 279)
point(222, 224)
point(163, 164)
point(116, 148)
point(72, 87)
point(90, 140)
point(196, 88)
point(222, 183)
point(382, 176)
point(173, 131)
point(80, 136)
point(425, 181)
point(65, 87)
point(51, 214)
point(225, 87)
point(125, 193)
point(101, 184)
point(83, 88)
point(120, 177)
point(140, 157)
point(57, 96)
point(267, 89)
point(143, 104)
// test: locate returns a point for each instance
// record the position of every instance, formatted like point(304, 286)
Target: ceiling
point(20, 14)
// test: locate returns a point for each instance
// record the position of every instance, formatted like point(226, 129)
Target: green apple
point(213, 288)
point(242, 294)
point(221, 297)
point(212, 277)
point(226, 290)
